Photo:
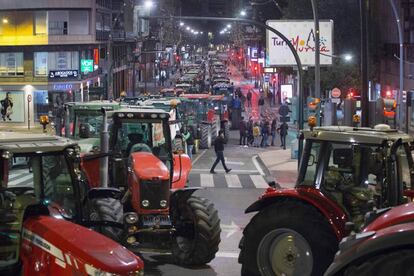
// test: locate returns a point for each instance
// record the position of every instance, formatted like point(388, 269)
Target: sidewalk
point(280, 166)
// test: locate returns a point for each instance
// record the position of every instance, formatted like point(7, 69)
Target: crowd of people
point(262, 133)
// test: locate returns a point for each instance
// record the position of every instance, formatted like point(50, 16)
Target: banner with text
point(302, 35)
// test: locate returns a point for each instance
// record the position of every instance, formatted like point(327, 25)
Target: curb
point(268, 175)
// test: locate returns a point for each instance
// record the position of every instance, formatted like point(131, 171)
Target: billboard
point(302, 35)
point(12, 106)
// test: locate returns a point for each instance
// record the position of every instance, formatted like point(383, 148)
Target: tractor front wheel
point(287, 238)
point(205, 142)
point(107, 209)
point(198, 232)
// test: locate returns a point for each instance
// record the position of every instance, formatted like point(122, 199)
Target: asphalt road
point(232, 194)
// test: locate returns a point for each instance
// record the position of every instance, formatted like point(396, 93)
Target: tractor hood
point(75, 247)
point(147, 166)
point(396, 215)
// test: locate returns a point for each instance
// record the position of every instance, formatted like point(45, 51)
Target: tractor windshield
point(150, 135)
point(88, 124)
point(31, 179)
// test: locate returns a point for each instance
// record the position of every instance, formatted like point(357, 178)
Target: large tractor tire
point(214, 130)
point(288, 238)
point(205, 142)
point(107, 209)
point(393, 263)
point(198, 232)
point(226, 127)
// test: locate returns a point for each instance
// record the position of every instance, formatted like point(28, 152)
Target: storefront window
point(40, 104)
point(63, 61)
point(11, 64)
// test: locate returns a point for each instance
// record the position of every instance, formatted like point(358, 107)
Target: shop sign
point(86, 65)
point(63, 74)
point(62, 86)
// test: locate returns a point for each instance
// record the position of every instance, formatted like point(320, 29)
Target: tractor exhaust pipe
point(104, 164)
point(67, 121)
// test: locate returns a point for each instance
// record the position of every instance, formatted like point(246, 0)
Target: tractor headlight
point(163, 203)
point(131, 218)
point(145, 203)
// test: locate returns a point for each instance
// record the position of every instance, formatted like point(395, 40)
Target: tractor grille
point(155, 191)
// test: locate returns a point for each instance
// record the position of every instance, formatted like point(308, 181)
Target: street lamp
point(181, 24)
point(347, 57)
point(228, 26)
point(243, 13)
point(188, 28)
point(148, 4)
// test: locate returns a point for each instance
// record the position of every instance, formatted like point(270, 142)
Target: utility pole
point(364, 6)
point(317, 50)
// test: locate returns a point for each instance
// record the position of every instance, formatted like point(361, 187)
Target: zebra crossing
point(231, 181)
point(21, 177)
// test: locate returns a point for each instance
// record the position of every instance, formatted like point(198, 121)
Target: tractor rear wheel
point(198, 232)
point(394, 263)
point(205, 142)
point(214, 131)
point(287, 238)
point(107, 209)
point(226, 127)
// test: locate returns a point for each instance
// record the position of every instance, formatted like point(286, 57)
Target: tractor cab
point(85, 123)
point(357, 168)
point(43, 203)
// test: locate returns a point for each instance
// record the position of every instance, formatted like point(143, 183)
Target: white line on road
point(20, 180)
point(233, 181)
point(199, 156)
point(224, 254)
point(220, 171)
point(259, 181)
point(257, 165)
point(207, 180)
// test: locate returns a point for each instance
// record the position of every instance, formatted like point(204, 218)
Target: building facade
point(56, 51)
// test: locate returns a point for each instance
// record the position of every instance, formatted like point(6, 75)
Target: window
point(63, 61)
point(78, 22)
point(312, 163)
point(11, 64)
point(40, 23)
point(40, 63)
point(58, 22)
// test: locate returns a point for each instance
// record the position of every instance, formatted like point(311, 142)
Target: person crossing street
point(219, 149)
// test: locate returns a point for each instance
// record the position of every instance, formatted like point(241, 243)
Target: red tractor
point(43, 205)
point(384, 247)
point(154, 205)
point(343, 174)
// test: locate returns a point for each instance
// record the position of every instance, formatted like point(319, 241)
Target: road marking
point(199, 156)
point(224, 254)
point(207, 180)
point(20, 180)
point(259, 181)
point(222, 171)
point(257, 165)
point(233, 181)
point(231, 229)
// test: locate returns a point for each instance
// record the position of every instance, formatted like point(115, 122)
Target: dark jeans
point(242, 138)
point(249, 102)
point(265, 137)
point(283, 140)
point(220, 157)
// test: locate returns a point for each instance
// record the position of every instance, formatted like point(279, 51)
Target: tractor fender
point(182, 167)
point(335, 216)
point(181, 194)
point(104, 192)
point(367, 244)
point(397, 215)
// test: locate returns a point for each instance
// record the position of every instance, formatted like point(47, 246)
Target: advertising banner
point(12, 106)
point(302, 35)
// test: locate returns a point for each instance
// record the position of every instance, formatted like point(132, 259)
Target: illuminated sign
point(86, 65)
point(63, 74)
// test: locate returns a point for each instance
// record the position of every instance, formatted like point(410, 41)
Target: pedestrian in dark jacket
point(273, 130)
point(249, 98)
point(243, 130)
point(219, 149)
point(283, 131)
point(265, 134)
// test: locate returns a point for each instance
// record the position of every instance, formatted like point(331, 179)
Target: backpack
point(256, 131)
